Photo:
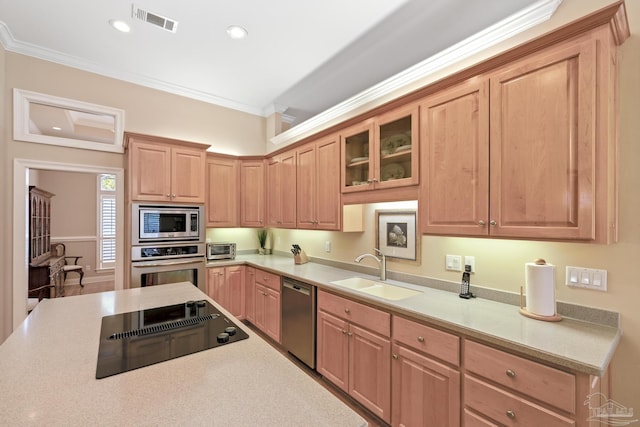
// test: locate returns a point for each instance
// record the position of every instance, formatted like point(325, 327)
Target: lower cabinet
point(504, 389)
point(425, 391)
point(354, 351)
point(266, 302)
point(226, 286)
point(249, 294)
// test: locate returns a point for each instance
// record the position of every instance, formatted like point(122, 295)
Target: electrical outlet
point(470, 260)
point(327, 246)
point(590, 278)
point(453, 262)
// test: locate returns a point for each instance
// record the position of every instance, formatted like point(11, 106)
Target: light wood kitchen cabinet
point(526, 150)
point(380, 152)
point(163, 170)
point(226, 286)
point(455, 160)
point(354, 350)
point(267, 304)
point(505, 389)
point(252, 193)
point(250, 294)
point(281, 190)
point(318, 185)
point(223, 189)
point(425, 391)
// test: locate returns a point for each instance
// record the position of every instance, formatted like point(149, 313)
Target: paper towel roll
point(540, 288)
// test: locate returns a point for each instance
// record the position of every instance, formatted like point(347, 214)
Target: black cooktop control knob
point(231, 330)
point(190, 303)
point(202, 303)
point(223, 337)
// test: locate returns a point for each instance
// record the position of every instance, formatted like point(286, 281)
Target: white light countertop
point(48, 368)
point(576, 345)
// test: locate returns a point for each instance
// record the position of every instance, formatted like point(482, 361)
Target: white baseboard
point(75, 280)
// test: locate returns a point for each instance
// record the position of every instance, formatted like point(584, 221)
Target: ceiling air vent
point(154, 19)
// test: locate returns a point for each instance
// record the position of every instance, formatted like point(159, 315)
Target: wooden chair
point(71, 268)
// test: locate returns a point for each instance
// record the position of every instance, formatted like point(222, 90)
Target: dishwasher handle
point(297, 288)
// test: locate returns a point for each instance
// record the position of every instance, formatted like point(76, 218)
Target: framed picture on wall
point(396, 234)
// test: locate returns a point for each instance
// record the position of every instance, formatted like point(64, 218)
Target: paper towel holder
point(523, 310)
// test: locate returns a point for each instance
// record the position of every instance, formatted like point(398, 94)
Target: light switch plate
point(453, 262)
point(589, 278)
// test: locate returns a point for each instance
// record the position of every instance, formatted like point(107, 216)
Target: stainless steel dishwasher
point(299, 320)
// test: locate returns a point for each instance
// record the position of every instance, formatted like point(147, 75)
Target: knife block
point(301, 258)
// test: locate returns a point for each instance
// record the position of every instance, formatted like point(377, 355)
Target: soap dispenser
point(464, 286)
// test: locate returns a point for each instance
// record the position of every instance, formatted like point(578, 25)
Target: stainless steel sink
point(378, 289)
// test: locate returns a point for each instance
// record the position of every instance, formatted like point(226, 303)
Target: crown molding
point(28, 49)
point(529, 17)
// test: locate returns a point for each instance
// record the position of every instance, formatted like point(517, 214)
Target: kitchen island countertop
point(48, 368)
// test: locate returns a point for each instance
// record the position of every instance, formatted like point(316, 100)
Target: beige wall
point(499, 263)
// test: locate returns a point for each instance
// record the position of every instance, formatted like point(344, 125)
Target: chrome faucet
point(382, 261)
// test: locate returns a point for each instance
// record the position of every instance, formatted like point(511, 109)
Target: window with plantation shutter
point(107, 222)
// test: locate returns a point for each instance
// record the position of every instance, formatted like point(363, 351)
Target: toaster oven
point(221, 251)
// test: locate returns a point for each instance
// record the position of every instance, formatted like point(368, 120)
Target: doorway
point(21, 231)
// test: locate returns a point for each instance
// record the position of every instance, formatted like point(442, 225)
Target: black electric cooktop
point(141, 338)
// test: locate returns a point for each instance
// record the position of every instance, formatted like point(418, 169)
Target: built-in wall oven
point(168, 245)
point(153, 265)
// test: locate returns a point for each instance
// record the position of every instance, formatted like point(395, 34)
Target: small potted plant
point(262, 240)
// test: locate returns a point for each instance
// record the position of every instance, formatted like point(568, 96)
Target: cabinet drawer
point(508, 409)
point(267, 279)
point(541, 382)
point(360, 314)
point(428, 340)
point(473, 420)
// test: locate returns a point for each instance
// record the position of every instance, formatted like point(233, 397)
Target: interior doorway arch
point(21, 232)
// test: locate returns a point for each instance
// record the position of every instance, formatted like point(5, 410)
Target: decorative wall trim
point(503, 30)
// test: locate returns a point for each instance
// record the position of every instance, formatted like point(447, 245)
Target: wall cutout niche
point(47, 119)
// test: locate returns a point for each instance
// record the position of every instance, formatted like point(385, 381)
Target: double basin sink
point(375, 288)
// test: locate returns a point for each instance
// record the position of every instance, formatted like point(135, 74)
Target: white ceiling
point(301, 57)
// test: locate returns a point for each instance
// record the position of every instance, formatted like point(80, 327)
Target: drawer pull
point(421, 339)
point(344, 332)
point(346, 310)
point(510, 373)
point(511, 414)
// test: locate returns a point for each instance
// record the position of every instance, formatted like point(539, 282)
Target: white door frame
point(20, 236)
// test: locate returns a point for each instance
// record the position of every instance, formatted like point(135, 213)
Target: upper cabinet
point(381, 152)
point(223, 189)
point(318, 185)
point(525, 151)
point(164, 170)
point(454, 128)
point(252, 193)
point(281, 190)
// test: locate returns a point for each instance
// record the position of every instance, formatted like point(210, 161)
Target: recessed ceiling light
point(236, 32)
point(120, 25)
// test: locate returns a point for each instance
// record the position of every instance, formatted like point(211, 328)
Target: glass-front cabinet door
point(358, 169)
point(381, 152)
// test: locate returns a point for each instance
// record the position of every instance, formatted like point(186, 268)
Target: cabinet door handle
point(395, 357)
point(421, 339)
point(511, 414)
point(510, 373)
point(344, 332)
point(346, 310)
point(481, 222)
point(493, 223)
point(350, 333)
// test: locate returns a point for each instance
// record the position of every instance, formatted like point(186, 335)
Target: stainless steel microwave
point(163, 223)
point(221, 251)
